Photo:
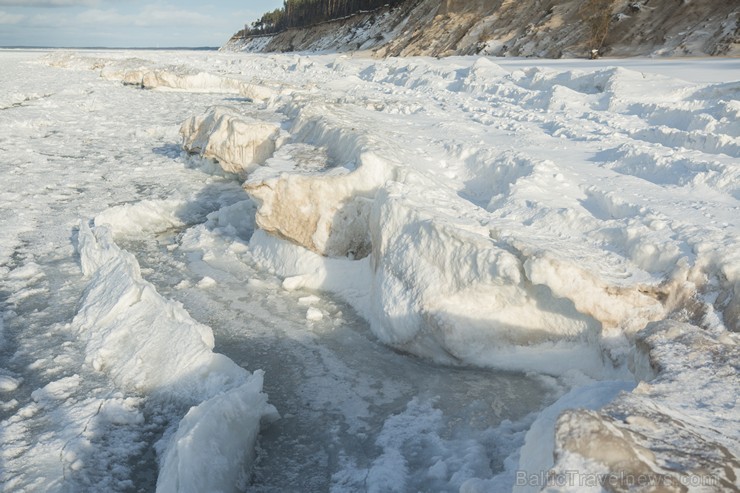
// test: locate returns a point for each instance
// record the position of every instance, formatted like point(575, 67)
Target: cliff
point(541, 28)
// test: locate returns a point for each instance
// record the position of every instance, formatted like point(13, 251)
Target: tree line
point(303, 13)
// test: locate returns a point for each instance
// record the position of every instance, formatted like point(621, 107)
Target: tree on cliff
point(597, 15)
point(302, 13)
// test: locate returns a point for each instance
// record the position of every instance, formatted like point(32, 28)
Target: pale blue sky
point(125, 23)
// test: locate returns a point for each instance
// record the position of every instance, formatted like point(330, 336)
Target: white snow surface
point(515, 215)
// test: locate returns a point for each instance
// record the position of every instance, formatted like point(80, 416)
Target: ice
point(144, 217)
point(116, 317)
point(8, 384)
point(448, 270)
point(213, 448)
point(333, 217)
point(236, 142)
point(686, 395)
point(334, 383)
point(314, 314)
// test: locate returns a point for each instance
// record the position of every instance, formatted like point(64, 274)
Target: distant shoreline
point(173, 48)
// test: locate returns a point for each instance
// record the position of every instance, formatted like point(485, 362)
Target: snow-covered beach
point(468, 274)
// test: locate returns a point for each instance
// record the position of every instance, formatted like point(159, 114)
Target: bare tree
point(597, 15)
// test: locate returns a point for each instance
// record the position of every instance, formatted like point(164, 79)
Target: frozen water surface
point(346, 400)
point(73, 146)
point(440, 259)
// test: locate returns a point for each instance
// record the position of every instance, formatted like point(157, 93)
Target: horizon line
point(39, 47)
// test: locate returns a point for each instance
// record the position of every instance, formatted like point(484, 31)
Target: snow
point(440, 272)
point(8, 384)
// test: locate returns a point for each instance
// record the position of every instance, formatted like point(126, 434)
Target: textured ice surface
point(475, 213)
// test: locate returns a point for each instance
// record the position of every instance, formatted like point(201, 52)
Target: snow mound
point(237, 142)
point(151, 345)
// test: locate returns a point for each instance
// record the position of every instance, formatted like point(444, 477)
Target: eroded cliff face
point(542, 28)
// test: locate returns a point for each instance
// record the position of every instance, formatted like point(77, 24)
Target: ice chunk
point(206, 282)
point(309, 300)
point(214, 443)
point(678, 429)
point(314, 314)
point(8, 384)
point(58, 390)
point(324, 213)
point(238, 143)
point(152, 345)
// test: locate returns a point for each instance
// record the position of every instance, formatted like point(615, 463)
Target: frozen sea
point(164, 329)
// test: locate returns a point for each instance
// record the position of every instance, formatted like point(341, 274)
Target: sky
point(126, 23)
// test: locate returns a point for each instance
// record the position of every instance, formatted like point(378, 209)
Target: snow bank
point(151, 345)
point(237, 142)
point(551, 269)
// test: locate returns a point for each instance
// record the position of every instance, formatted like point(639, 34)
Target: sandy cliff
point(543, 28)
